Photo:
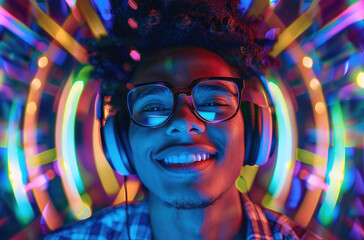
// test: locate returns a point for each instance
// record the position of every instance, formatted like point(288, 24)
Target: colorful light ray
point(351, 15)
point(43, 158)
point(92, 19)
point(293, 31)
point(24, 209)
point(79, 208)
point(336, 175)
point(104, 8)
point(71, 3)
point(15, 26)
point(310, 158)
point(68, 137)
point(284, 151)
point(59, 34)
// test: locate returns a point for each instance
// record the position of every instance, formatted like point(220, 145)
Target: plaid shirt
point(110, 223)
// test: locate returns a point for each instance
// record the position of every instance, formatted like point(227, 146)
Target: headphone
point(259, 125)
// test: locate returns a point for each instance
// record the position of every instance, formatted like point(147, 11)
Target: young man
point(185, 141)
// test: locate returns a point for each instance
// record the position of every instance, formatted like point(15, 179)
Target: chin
point(185, 203)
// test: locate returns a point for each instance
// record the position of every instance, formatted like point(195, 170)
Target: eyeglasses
point(213, 100)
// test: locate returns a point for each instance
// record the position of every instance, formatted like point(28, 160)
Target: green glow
point(336, 174)
point(284, 150)
point(68, 137)
point(24, 211)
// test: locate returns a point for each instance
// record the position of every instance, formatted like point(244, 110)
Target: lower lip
point(188, 167)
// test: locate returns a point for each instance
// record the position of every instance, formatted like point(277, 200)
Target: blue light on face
point(208, 115)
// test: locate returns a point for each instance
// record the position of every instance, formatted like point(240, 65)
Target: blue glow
point(68, 137)
point(24, 210)
point(336, 175)
point(295, 195)
point(208, 115)
point(155, 120)
point(104, 8)
point(284, 151)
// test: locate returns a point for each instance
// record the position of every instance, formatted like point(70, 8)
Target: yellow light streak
point(91, 17)
point(293, 31)
point(310, 158)
point(360, 79)
point(53, 29)
point(43, 158)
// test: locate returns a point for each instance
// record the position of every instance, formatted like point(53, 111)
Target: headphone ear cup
point(116, 145)
point(258, 133)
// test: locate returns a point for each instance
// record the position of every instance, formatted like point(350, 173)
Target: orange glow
point(42, 62)
point(307, 62)
point(314, 84)
point(320, 108)
point(31, 108)
point(35, 84)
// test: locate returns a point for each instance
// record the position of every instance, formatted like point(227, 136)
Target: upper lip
point(184, 150)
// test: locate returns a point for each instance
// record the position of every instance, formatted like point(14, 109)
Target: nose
point(184, 121)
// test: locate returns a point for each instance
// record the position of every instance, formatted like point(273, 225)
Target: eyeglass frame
point(176, 92)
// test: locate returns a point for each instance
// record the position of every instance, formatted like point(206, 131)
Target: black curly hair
point(150, 25)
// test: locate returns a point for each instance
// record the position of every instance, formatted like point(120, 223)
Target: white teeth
point(186, 158)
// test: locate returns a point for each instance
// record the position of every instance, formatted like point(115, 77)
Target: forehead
point(180, 66)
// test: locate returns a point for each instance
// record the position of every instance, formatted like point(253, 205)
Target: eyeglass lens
point(213, 100)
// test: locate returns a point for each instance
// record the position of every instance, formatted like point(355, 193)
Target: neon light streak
point(71, 3)
point(15, 26)
point(294, 30)
point(310, 158)
point(68, 138)
point(336, 174)
point(79, 208)
point(104, 8)
point(24, 210)
point(58, 33)
point(351, 15)
point(284, 151)
point(92, 19)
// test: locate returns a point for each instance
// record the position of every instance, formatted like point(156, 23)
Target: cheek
point(229, 136)
point(139, 145)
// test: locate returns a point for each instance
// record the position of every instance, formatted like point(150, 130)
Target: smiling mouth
point(183, 163)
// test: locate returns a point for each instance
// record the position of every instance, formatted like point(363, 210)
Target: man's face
point(185, 135)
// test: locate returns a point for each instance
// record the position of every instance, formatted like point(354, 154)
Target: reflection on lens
point(216, 100)
point(150, 105)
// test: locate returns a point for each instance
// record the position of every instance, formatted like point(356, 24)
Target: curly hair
point(218, 26)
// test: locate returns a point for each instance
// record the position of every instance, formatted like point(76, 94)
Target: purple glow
point(19, 29)
point(135, 55)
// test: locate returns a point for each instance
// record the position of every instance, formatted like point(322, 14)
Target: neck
point(221, 220)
